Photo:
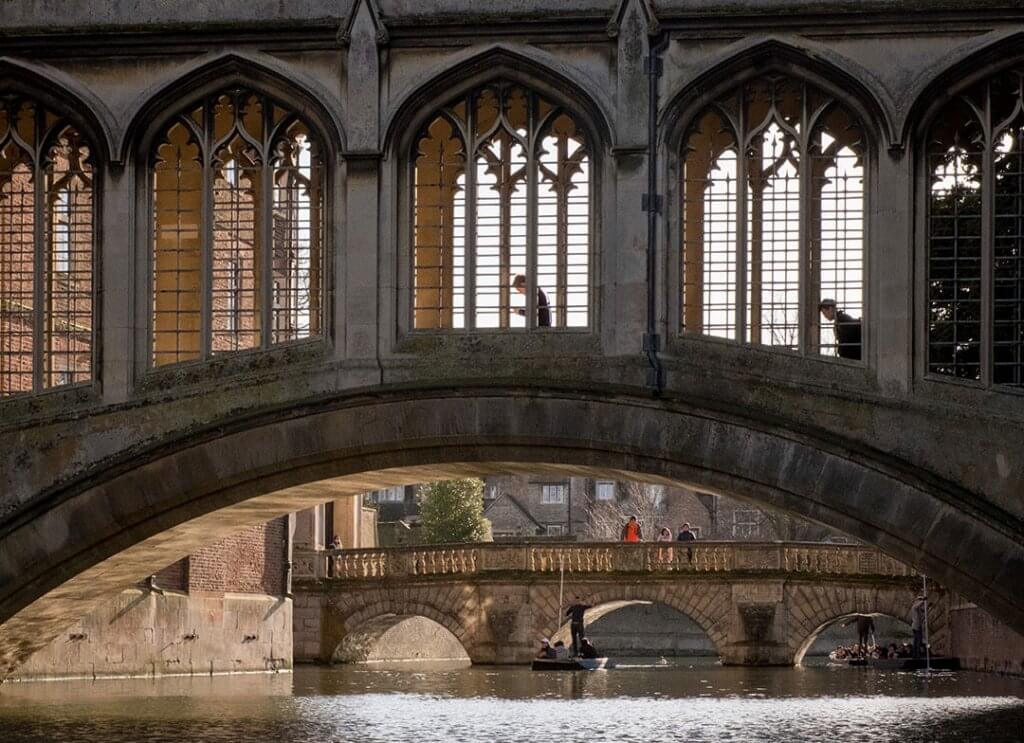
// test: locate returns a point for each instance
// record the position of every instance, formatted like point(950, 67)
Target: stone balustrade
point(599, 558)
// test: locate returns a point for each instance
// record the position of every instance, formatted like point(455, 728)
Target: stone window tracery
point(47, 243)
point(501, 189)
point(975, 235)
point(774, 220)
point(237, 207)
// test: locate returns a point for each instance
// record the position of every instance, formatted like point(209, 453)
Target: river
point(684, 701)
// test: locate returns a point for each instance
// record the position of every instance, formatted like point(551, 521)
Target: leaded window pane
point(799, 156)
point(46, 250)
point(506, 243)
point(237, 229)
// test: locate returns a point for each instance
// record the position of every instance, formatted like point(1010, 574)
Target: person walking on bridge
point(631, 532)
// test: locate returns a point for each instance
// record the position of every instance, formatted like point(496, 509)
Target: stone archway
point(706, 604)
point(112, 525)
point(813, 610)
point(360, 618)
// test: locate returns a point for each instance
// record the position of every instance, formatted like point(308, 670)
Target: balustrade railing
point(656, 557)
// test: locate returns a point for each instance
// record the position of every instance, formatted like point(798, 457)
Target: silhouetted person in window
point(543, 308)
point(847, 329)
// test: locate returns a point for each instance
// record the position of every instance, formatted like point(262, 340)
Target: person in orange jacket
point(632, 532)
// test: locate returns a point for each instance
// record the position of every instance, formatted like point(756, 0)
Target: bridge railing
point(602, 557)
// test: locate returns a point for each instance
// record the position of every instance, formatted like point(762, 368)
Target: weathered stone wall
point(984, 644)
point(141, 633)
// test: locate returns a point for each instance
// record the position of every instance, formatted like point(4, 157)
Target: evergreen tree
point(453, 511)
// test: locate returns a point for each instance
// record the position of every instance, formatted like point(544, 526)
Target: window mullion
point(533, 144)
point(471, 225)
point(804, 204)
point(206, 244)
point(987, 245)
point(741, 223)
point(266, 217)
point(41, 254)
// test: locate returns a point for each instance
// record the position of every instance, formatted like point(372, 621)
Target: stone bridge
point(130, 463)
point(758, 604)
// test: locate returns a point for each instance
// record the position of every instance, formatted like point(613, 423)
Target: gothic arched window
point(975, 233)
point(237, 207)
point(773, 220)
point(47, 238)
point(501, 214)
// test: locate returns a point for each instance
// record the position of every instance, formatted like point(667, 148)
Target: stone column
point(889, 344)
point(116, 332)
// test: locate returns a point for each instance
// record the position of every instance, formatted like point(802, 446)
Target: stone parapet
point(611, 557)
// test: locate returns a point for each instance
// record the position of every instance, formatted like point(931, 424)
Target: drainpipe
point(289, 553)
point(652, 205)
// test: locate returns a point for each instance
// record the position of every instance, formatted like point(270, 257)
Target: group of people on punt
point(582, 647)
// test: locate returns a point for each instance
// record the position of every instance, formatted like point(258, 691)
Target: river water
point(685, 701)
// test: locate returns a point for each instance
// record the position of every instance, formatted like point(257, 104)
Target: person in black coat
point(575, 614)
point(847, 329)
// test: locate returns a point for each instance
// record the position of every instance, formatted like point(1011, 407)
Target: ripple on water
point(365, 705)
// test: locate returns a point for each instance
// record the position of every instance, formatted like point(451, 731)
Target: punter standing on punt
point(575, 614)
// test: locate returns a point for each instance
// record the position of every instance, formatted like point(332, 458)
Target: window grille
point(46, 250)
point(604, 490)
point(773, 220)
point(975, 221)
point(501, 189)
point(552, 494)
point(237, 199)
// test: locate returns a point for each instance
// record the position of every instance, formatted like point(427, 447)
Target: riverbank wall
point(982, 643)
point(143, 633)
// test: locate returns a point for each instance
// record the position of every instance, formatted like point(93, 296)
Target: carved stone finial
point(647, 13)
point(381, 35)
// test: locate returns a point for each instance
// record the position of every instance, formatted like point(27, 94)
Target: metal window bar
point(954, 254)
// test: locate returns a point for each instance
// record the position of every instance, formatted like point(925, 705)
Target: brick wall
point(251, 561)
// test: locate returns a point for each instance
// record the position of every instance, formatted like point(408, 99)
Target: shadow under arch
point(531, 67)
point(207, 75)
point(384, 637)
point(162, 500)
point(809, 641)
point(606, 608)
point(820, 67)
point(66, 96)
point(961, 69)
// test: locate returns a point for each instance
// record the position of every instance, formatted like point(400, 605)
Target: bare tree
point(605, 518)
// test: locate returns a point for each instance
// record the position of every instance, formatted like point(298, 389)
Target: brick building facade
point(252, 561)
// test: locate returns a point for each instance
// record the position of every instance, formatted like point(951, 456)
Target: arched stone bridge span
point(70, 545)
point(759, 604)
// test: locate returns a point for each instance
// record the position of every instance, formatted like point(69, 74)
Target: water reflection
point(690, 701)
